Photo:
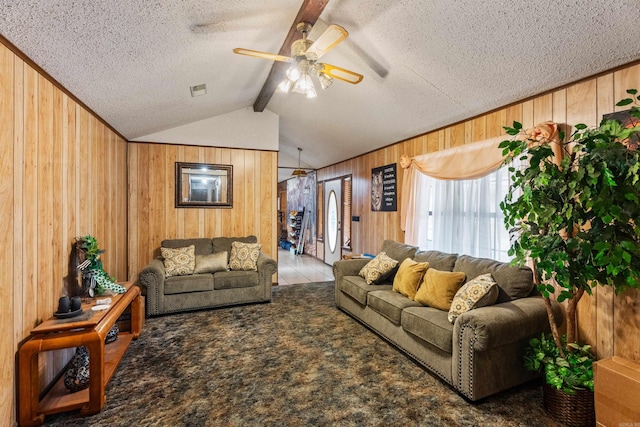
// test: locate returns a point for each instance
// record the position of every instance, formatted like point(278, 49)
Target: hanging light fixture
point(299, 172)
point(299, 75)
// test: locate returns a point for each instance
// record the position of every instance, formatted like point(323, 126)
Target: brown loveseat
point(481, 352)
point(206, 290)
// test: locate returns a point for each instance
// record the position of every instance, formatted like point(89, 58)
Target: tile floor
point(293, 269)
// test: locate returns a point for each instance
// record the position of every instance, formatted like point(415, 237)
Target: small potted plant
point(577, 217)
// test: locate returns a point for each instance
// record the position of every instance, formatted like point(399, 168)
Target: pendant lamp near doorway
point(299, 172)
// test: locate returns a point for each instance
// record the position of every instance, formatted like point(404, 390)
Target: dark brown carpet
point(297, 361)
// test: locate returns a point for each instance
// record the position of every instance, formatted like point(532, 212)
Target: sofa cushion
point(203, 246)
point(389, 303)
point(211, 263)
point(235, 279)
point(513, 282)
point(244, 256)
point(430, 325)
point(478, 292)
point(179, 261)
point(398, 251)
point(408, 277)
point(439, 287)
point(439, 260)
point(378, 269)
point(221, 244)
point(190, 283)
point(356, 287)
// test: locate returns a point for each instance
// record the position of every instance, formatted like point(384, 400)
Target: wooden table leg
point(95, 345)
point(136, 316)
point(28, 384)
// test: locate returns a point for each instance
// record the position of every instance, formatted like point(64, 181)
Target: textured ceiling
point(426, 63)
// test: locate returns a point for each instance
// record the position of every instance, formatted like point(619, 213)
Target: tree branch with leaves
point(577, 218)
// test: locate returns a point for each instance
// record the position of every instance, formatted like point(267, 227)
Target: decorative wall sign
point(202, 185)
point(384, 189)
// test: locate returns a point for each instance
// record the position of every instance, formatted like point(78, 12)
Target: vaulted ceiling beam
point(309, 12)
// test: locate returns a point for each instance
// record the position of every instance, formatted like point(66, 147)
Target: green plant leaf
point(624, 102)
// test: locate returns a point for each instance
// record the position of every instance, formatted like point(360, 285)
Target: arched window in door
point(346, 213)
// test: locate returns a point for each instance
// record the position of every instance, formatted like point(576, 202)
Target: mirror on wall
point(203, 185)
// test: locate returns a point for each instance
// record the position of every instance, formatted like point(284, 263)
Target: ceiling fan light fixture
point(311, 92)
point(325, 81)
point(304, 56)
point(293, 73)
point(304, 85)
point(285, 85)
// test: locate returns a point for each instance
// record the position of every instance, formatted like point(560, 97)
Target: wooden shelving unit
point(295, 225)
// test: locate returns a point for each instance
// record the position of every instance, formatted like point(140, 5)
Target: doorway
point(333, 214)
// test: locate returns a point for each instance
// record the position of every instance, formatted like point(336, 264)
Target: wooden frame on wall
point(203, 185)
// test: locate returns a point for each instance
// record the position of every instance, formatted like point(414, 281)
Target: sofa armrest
point(348, 267)
point(151, 280)
point(504, 323)
point(266, 265)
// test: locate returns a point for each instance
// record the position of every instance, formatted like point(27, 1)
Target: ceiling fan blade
point(327, 41)
point(263, 55)
point(342, 74)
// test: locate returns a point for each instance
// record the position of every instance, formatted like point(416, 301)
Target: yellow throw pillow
point(409, 276)
point(479, 292)
point(439, 287)
point(179, 261)
point(211, 263)
point(378, 269)
point(244, 256)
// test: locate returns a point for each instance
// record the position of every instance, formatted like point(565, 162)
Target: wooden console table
point(88, 329)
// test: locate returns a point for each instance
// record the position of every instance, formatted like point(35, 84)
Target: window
point(464, 216)
point(346, 213)
point(320, 212)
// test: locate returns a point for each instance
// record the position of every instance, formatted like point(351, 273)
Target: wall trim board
point(203, 146)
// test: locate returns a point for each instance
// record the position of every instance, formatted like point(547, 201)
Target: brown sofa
point(481, 353)
point(198, 291)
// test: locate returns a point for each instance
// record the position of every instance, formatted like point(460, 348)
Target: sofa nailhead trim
point(472, 342)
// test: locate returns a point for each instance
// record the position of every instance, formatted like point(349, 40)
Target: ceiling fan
point(304, 56)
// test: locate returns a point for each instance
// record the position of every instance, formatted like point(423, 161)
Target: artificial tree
point(578, 217)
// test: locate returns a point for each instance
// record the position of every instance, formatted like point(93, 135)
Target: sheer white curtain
point(463, 216)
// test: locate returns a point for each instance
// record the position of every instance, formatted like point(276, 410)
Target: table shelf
point(59, 399)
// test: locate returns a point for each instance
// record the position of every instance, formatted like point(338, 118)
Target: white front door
point(333, 215)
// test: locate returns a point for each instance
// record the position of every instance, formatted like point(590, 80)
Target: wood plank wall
point(611, 324)
point(152, 213)
point(62, 175)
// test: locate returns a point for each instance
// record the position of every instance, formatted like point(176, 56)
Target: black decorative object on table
point(68, 307)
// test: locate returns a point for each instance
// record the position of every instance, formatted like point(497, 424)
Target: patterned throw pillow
point(180, 261)
point(439, 287)
point(479, 292)
point(378, 269)
point(244, 256)
point(409, 276)
point(211, 263)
